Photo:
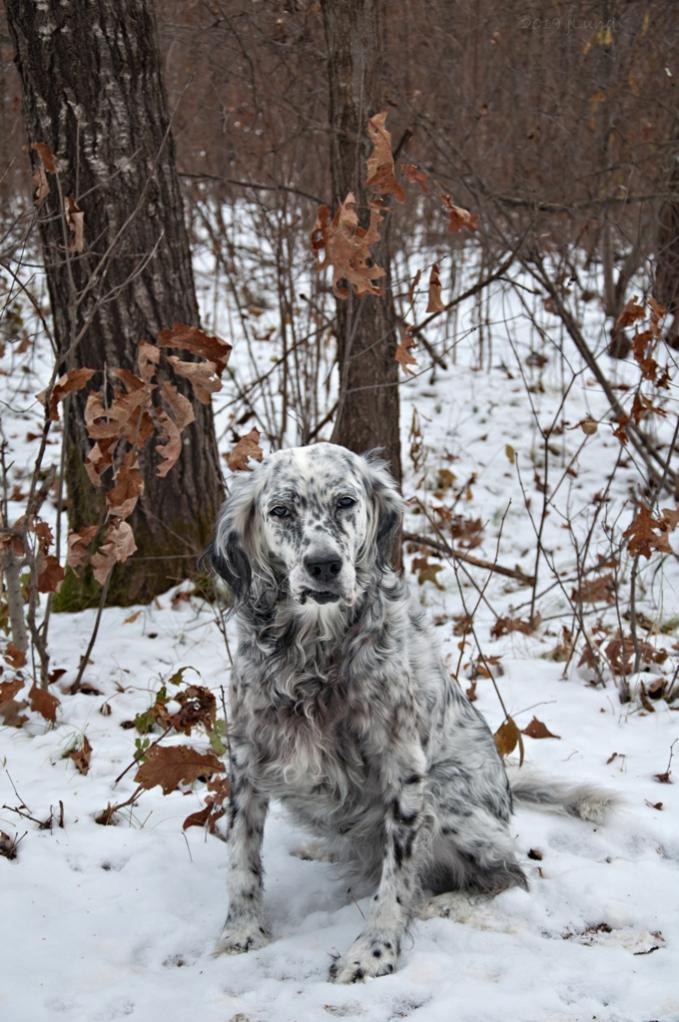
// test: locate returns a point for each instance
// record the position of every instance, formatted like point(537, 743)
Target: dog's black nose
point(323, 568)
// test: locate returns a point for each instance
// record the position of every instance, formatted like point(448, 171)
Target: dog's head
point(312, 524)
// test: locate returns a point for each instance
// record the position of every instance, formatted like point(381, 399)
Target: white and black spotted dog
point(342, 708)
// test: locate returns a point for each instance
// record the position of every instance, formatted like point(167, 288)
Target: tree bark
point(368, 411)
point(666, 284)
point(93, 94)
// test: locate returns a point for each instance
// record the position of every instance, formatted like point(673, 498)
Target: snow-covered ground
point(105, 922)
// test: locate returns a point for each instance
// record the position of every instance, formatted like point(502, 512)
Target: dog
point(343, 709)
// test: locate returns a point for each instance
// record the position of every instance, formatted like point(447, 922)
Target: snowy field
point(108, 922)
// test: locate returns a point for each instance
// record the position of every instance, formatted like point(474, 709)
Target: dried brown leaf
point(646, 533)
point(14, 656)
point(536, 729)
point(435, 304)
point(8, 690)
point(458, 218)
point(403, 354)
point(75, 221)
point(148, 356)
point(504, 625)
point(416, 176)
point(201, 375)
point(81, 757)
point(128, 486)
point(596, 590)
point(126, 418)
point(46, 156)
point(79, 544)
point(180, 408)
point(347, 247)
point(74, 379)
point(50, 573)
point(169, 446)
point(195, 340)
point(412, 287)
point(43, 702)
point(507, 737)
point(381, 170)
point(174, 765)
point(246, 448)
point(630, 314)
point(117, 546)
point(427, 571)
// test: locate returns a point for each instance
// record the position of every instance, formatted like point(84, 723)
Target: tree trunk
point(93, 94)
point(666, 285)
point(368, 412)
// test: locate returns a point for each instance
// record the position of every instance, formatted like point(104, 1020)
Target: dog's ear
point(387, 505)
point(228, 551)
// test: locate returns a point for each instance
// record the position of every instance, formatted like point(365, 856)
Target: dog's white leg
point(244, 928)
point(375, 952)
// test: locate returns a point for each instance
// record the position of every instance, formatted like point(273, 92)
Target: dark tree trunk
point(368, 413)
point(666, 285)
point(93, 94)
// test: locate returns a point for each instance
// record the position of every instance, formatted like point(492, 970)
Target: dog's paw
point(239, 936)
point(369, 956)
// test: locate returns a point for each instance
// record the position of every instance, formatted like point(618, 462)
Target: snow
point(107, 922)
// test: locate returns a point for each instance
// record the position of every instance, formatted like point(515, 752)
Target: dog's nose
point(323, 568)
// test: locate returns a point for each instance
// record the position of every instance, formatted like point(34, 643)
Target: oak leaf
point(14, 656)
point(507, 737)
point(79, 544)
point(170, 766)
point(128, 486)
point(126, 417)
point(75, 221)
point(630, 314)
point(43, 702)
point(117, 546)
point(74, 379)
point(427, 571)
point(435, 304)
point(504, 625)
point(50, 573)
point(458, 218)
point(201, 375)
point(246, 448)
point(81, 757)
point(596, 590)
point(403, 354)
point(412, 287)
point(416, 176)
point(181, 409)
point(381, 170)
point(536, 729)
point(8, 689)
point(646, 533)
point(195, 340)
point(148, 356)
point(347, 247)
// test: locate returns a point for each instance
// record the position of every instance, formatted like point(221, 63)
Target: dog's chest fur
point(318, 715)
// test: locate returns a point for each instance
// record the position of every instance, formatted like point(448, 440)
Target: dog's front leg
point(244, 928)
point(375, 952)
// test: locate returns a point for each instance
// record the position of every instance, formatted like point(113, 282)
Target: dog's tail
point(587, 801)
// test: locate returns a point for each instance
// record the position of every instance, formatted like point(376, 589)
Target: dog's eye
point(279, 511)
point(345, 502)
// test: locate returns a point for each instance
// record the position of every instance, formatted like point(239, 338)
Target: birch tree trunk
point(368, 412)
point(93, 94)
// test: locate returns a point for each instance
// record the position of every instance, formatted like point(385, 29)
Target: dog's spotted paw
point(366, 958)
point(238, 937)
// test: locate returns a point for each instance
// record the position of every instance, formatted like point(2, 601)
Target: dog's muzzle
point(323, 571)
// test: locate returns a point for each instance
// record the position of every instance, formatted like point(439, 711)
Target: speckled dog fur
point(342, 708)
